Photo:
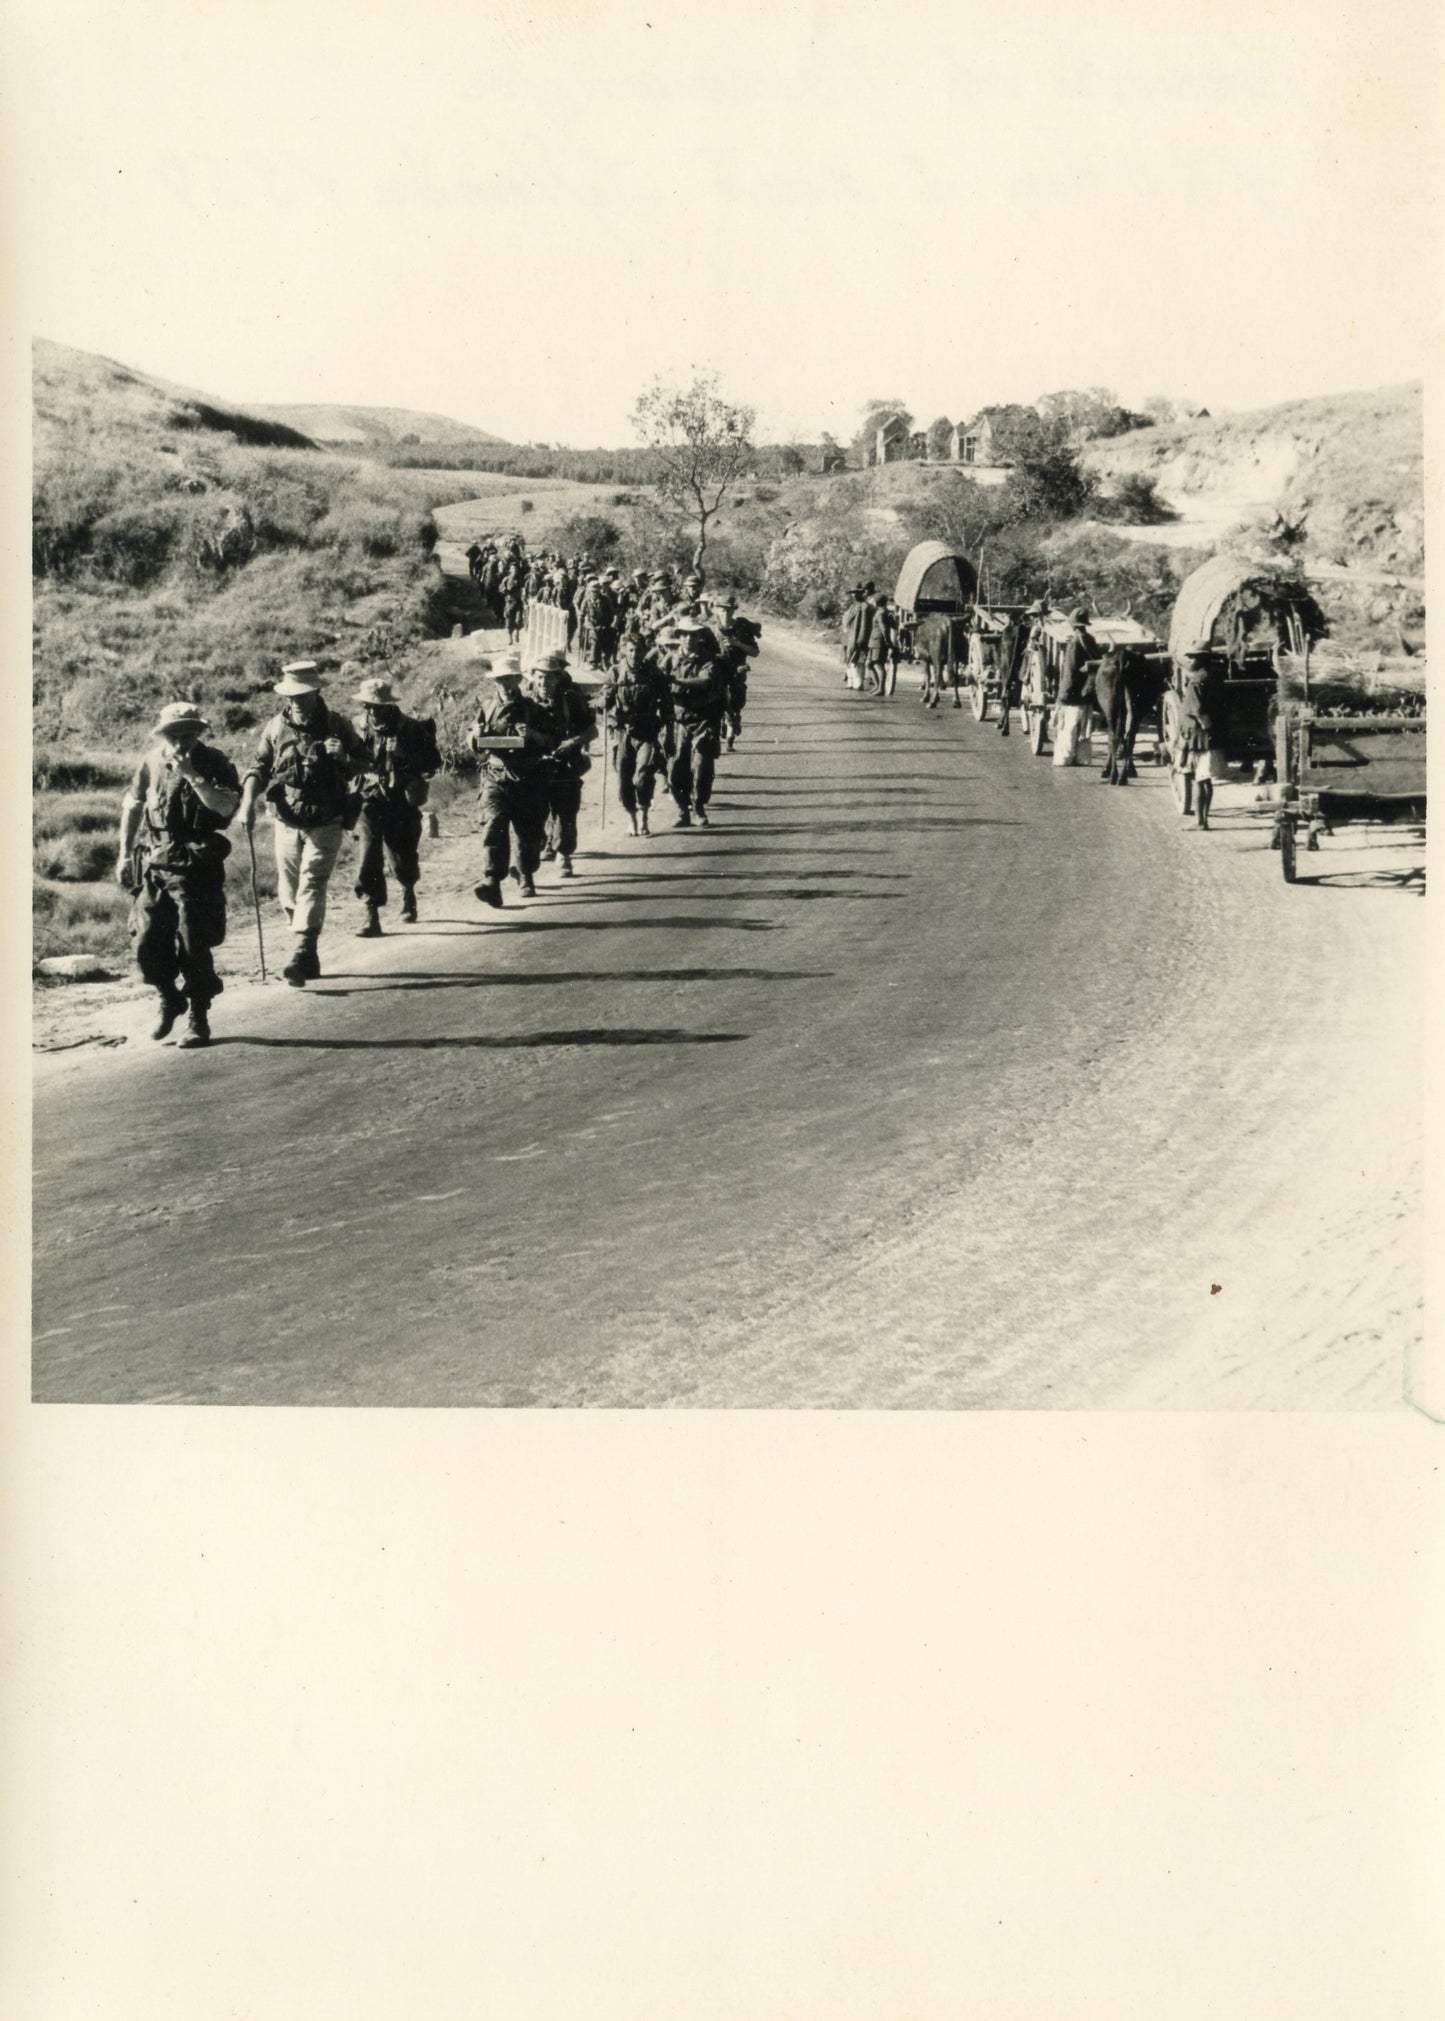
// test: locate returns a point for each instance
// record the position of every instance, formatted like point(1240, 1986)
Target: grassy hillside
point(1346, 470)
point(371, 429)
point(186, 547)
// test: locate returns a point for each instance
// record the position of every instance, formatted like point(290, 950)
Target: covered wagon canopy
point(1218, 589)
point(935, 578)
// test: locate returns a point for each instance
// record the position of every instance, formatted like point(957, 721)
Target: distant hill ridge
point(378, 427)
point(65, 377)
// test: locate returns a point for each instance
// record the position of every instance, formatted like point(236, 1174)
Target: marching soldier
point(401, 758)
point(572, 726)
point(699, 699)
point(172, 860)
point(306, 766)
point(639, 701)
point(736, 649)
point(511, 737)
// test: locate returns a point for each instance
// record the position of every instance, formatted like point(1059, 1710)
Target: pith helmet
point(301, 677)
point(181, 715)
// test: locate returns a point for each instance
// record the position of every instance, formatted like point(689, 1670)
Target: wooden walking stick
point(256, 901)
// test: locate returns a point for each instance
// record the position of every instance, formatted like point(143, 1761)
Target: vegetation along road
point(928, 1075)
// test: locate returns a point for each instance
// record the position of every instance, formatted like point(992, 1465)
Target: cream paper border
point(382, 1715)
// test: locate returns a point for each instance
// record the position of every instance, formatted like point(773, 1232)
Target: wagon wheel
point(1170, 727)
point(1287, 850)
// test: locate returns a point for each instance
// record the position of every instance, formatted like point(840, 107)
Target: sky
point(518, 217)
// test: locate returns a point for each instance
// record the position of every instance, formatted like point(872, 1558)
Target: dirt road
point(927, 1076)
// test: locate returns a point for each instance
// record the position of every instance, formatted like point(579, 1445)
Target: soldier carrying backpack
point(401, 757)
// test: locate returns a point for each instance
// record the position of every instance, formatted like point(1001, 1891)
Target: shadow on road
point(498, 1042)
point(442, 978)
point(688, 924)
point(905, 827)
point(692, 876)
point(795, 891)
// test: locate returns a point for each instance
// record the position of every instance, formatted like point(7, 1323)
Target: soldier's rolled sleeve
point(264, 762)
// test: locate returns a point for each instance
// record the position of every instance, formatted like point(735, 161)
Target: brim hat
point(377, 694)
point(301, 677)
point(181, 715)
point(690, 626)
point(1080, 616)
point(550, 663)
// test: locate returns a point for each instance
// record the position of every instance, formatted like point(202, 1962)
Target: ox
point(1126, 687)
point(936, 642)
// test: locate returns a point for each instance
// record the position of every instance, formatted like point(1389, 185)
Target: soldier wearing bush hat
point(306, 766)
point(172, 859)
point(401, 759)
point(699, 701)
point(571, 725)
point(512, 738)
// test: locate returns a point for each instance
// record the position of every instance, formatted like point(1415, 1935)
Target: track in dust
point(927, 1076)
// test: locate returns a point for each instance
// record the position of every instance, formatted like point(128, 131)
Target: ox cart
point(995, 649)
point(934, 596)
point(1338, 768)
point(1045, 650)
point(1250, 627)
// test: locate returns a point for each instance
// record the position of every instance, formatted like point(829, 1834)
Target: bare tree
point(702, 445)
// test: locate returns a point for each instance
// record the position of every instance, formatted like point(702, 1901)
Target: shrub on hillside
point(1134, 501)
point(76, 859)
point(590, 533)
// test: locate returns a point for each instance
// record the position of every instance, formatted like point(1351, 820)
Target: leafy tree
point(875, 414)
point(701, 443)
point(1049, 483)
point(939, 434)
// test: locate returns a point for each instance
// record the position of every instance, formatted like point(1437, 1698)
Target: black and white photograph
point(728, 741)
point(705, 736)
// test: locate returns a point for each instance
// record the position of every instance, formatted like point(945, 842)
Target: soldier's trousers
point(564, 801)
point(176, 918)
point(305, 859)
point(388, 832)
point(693, 766)
point(638, 764)
point(505, 806)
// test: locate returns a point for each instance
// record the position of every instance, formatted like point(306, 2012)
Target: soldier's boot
point(408, 904)
point(684, 820)
point(529, 889)
point(646, 829)
point(731, 743)
point(371, 928)
point(635, 829)
point(489, 891)
point(172, 1003)
point(198, 1027)
point(305, 964)
point(567, 870)
point(549, 854)
point(702, 820)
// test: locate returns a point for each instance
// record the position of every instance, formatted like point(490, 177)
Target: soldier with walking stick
point(172, 860)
